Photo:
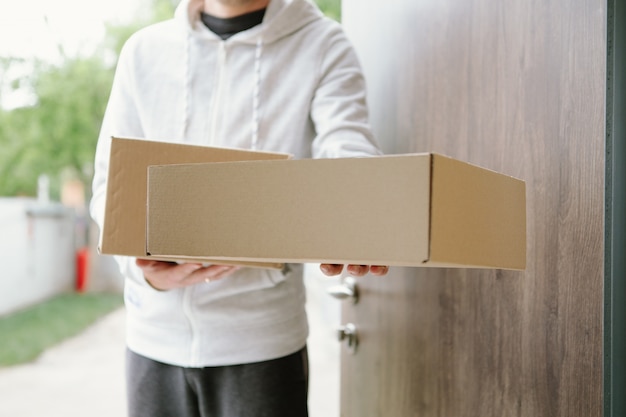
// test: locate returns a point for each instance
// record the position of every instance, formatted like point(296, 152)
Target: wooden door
point(519, 87)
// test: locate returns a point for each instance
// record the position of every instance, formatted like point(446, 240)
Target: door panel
point(518, 87)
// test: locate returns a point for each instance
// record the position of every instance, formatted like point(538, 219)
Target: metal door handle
point(347, 289)
point(349, 334)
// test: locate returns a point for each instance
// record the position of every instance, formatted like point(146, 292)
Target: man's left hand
point(354, 270)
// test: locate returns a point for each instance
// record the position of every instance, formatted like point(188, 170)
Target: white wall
point(37, 252)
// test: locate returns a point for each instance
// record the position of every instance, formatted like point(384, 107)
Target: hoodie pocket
point(146, 302)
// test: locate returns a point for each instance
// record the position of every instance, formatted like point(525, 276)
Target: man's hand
point(355, 270)
point(169, 275)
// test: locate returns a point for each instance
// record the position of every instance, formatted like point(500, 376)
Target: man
point(270, 75)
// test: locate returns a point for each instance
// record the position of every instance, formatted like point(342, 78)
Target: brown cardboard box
point(402, 210)
point(124, 230)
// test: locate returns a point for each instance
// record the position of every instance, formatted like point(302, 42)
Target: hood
point(282, 18)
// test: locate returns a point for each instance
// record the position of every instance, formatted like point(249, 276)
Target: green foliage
point(26, 334)
point(57, 134)
point(331, 8)
point(116, 35)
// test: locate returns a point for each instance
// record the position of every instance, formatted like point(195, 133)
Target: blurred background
point(57, 60)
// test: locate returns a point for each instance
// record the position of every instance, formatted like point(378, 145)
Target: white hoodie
point(292, 84)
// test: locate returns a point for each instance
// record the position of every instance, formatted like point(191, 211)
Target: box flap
point(124, 230)
point(478, 217)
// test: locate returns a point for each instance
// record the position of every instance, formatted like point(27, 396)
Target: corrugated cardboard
point(402, 210)
point(124, 230)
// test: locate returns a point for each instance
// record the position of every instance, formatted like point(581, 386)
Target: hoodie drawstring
point(187, 87)
point(256, 93)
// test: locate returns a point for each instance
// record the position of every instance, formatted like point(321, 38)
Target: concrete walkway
point(84, 376)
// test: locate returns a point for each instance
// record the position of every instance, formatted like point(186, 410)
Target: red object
point(82, 269)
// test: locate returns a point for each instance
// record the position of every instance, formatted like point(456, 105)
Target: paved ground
point(83, 376)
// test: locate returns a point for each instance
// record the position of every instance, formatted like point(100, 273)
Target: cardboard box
point(124, 230)
point(400, 210)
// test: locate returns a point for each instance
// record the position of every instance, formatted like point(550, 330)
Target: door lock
point(349, 334)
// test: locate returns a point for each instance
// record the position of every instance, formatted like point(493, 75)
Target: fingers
point(331, 269)
point(151, 264)
point(354, 270)
point(358, 270)
point(212, 273)
point(169, 275)
point(379, 270)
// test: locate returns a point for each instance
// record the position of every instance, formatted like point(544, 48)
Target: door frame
point(615, 208)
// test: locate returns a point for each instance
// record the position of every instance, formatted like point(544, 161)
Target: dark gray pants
point(275, 388)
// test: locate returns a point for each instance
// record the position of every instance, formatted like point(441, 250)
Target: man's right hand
point(169, 275)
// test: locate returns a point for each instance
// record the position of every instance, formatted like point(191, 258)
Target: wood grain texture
point(519, 87)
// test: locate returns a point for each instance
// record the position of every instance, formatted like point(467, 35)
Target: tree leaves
point(56, 132)
point(59, 131)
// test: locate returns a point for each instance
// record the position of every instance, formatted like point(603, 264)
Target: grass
point(331, 8)
point(24, 335)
